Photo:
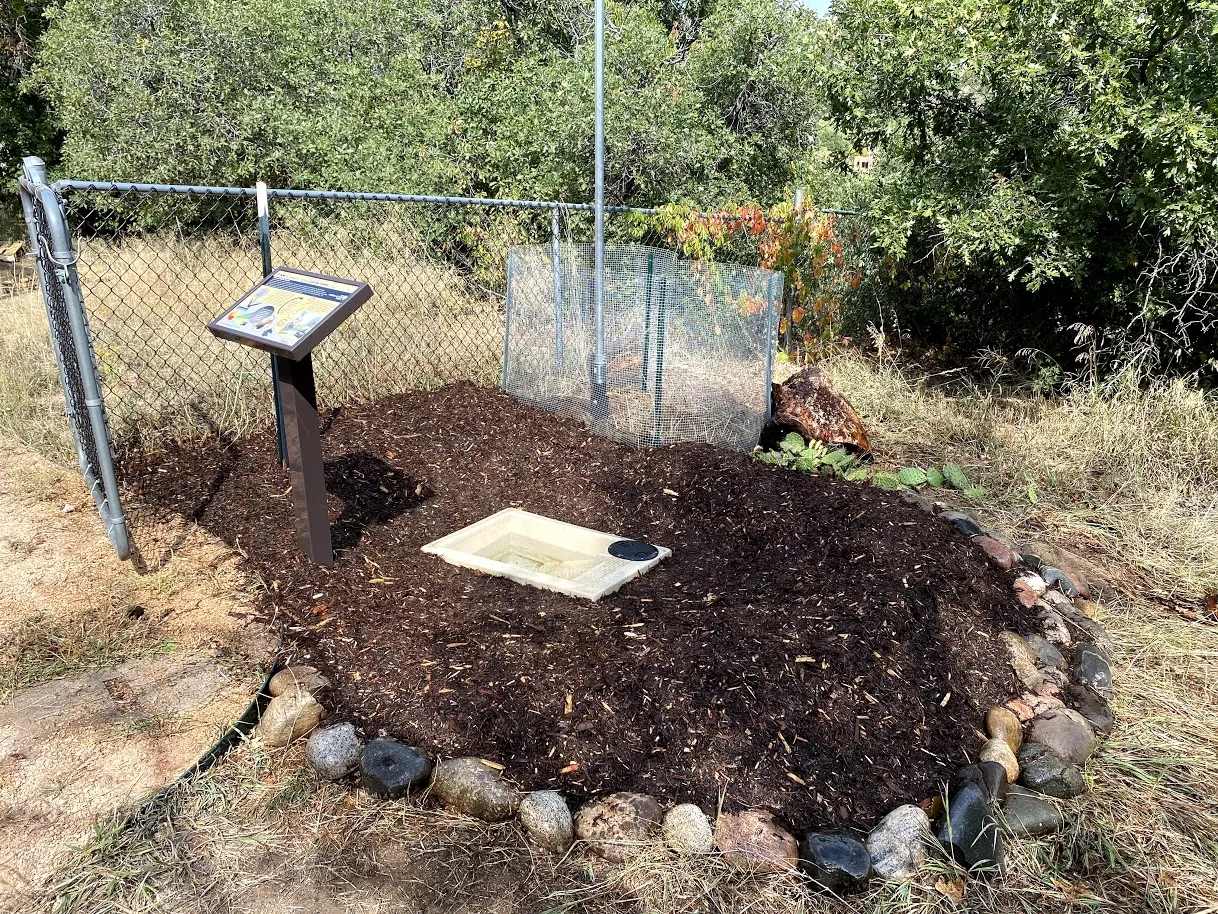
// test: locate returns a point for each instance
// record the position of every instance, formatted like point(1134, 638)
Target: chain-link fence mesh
point(686, 344)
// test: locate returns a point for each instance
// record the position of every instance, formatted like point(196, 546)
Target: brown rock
point(752, 840)
point(473, 788)
point(1025, 594)
point(997, 750)
point(1066, 732)
point(807, 403)
point(1090, 578)
point(1003, 724)
point(999, 553)
point(618, 826)
point(1023, 661)
point(298, 677)
point(289, 717)
point(1020, 709)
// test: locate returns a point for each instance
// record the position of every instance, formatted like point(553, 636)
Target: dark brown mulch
point(820, 648)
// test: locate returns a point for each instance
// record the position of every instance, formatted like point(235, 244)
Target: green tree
point(1046, 167)
point(25, 125)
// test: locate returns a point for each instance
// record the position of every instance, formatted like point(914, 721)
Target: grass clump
point(40, 648)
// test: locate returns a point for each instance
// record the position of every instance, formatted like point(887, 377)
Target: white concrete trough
point(546, 553)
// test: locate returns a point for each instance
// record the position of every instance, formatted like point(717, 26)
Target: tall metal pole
point(264, 243)
point(600, 400)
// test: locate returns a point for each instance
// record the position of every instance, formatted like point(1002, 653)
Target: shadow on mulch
point(819, 648)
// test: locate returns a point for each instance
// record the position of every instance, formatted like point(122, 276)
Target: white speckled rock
point(334, 752)
point(898, 844)
point(687, 830)
point(546, 818)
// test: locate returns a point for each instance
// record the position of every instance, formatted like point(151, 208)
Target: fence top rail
point(288, 194)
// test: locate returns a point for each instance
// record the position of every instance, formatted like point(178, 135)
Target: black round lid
point(633, 550)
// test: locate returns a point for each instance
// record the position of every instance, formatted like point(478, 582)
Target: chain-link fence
point(131, 274)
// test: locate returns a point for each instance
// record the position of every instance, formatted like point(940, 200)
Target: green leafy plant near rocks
point(814, 457)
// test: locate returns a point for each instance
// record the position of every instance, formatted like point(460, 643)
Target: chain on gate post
point(264, 242)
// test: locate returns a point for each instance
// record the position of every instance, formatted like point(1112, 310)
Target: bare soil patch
point(112, 683)
point(819, 648)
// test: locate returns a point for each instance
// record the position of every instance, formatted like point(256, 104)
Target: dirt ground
point(822, 649)
point(113, 683)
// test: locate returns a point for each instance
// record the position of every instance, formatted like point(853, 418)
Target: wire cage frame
point(687, 345)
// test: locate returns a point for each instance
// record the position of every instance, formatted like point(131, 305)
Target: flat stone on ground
point(1094, 708)
point(1026, 813)
point(389, 770)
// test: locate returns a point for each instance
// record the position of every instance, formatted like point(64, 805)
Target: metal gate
point(55, 256)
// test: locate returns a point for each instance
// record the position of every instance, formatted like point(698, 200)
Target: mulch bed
point(819, 648)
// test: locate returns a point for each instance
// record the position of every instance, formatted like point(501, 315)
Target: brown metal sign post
point(288, 314)
point(305, 468)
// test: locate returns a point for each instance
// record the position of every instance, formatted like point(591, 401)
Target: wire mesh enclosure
point(686, 345)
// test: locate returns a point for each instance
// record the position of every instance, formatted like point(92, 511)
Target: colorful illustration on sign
point(286, 308)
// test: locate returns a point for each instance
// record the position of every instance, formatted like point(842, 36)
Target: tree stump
point(807, 403)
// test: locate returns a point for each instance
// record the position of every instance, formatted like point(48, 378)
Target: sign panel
point(290, 311)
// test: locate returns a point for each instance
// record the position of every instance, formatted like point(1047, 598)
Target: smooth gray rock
point(1066, 732)
point(1043, 770)
point(546, 818)
point(898, 845)
point(334, 752)
point(473, 788)
point(1094, 708)
point(1048, 657)
point(1091, 669)
point(1026, 813)
point(835, 861)
point(970, 832)
point(389, 770)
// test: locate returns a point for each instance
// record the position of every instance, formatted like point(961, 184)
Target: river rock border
point(1032, 757)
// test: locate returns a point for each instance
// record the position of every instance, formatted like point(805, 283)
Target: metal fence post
point(560, 355)
point(507, 325)
point(771, 341)
point(50, 229)
point(264, 243)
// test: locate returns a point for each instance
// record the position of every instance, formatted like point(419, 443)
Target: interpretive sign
point(290, 311)
point(287, 314)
